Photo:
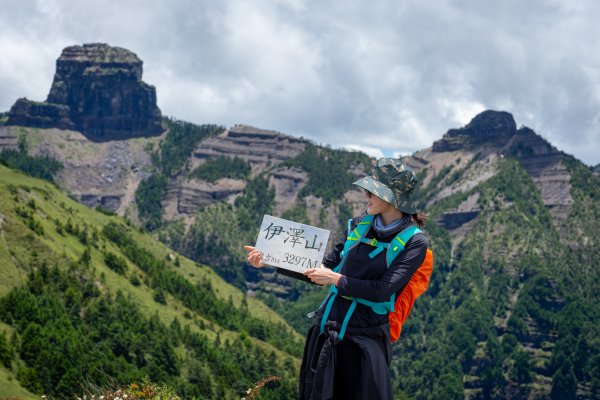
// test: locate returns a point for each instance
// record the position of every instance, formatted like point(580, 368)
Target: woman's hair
point(420, 219)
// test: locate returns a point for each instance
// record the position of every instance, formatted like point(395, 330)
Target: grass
point(20, 248)
point(53, 204)
point(10, 388)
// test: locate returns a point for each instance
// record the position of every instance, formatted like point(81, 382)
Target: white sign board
point(291, 245)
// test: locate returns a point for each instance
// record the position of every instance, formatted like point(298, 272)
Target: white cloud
point(370, 151)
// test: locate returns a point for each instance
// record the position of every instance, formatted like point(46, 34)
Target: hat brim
point(377, 188)
point(380, 190)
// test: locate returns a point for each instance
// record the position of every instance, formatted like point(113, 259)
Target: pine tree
point(564, 382)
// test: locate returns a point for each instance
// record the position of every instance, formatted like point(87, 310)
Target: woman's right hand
point(254, 257)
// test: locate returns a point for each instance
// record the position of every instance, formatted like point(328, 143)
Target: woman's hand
point(254, 257)
point(323, 276)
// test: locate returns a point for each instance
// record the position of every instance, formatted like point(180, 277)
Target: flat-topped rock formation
point(97, 90)
point(257, 146)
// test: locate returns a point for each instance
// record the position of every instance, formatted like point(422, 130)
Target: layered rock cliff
point(470, 153)
point(97, 90)
point(259, 147)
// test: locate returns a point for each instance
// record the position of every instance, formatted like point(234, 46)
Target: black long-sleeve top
point(370, 279)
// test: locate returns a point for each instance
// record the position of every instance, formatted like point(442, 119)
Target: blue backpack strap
point(346, 319)
point(397, 244)
point(393, 249)
point(354, 237)
point(331, 297)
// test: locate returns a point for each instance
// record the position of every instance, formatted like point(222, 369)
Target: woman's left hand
point(323, 276)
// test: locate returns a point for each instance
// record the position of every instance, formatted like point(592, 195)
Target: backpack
point(397, 309)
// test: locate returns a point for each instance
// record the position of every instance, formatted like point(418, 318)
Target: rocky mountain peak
point(98, 90)
point(488, 124)
point(488, 127)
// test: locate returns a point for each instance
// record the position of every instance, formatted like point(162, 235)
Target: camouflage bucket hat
point(391, 181)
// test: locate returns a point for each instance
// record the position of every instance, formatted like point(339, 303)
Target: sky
point(388, 77)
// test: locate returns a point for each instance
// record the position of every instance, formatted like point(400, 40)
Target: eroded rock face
point(257, 146)
point(97, 90)
point(493, 132)
point(544, 163)
point(102, 174)
point(261, 148)
point(287, 183)
point(8, 141)
point(40, 115)
point(190, 195)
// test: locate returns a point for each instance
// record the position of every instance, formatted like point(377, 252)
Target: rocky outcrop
point(7, 140)
point(95, 173)
point(467, 211)
point(190, 195)
point(97, 90)
point(487, 128)
point(494, 132)
point(287, 183)
point(453, 220)
point(544, 163)
point(40, 115)
point(257, 146)
point(260, 148)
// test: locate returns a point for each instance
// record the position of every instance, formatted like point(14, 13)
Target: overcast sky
point(388, 77)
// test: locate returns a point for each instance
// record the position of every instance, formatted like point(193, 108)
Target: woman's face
point(375, 205)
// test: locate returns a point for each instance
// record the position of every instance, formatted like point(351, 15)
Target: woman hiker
point(347, 351)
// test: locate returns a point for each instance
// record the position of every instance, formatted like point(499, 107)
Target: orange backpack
point(415, 287)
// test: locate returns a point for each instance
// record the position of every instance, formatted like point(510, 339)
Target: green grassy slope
point(40, 227)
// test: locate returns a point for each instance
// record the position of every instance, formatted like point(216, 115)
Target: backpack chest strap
point(379, 247)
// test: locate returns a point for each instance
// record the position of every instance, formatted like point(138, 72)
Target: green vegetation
point(297, 213)
point(171, 157)
point(68, 330)
point(148, 197)
point(199, 298)
point(492, 298)
point(328, 170)
point(219, 230)
point(84, 296)
point(222, 167)
point(40, 167)
point(180, 142)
